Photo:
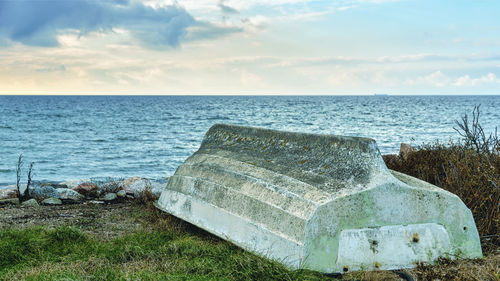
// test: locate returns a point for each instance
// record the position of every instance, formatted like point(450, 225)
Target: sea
point(86, 137)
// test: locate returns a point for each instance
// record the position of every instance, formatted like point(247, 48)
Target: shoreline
point(82, 190)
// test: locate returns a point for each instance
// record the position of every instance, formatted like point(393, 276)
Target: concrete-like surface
point(326, 203)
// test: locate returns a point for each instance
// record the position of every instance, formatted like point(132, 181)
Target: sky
point(249, 47)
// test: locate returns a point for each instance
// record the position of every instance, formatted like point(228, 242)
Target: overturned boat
point(320, 202)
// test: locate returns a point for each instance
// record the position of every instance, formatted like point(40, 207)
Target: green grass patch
point(68, 253)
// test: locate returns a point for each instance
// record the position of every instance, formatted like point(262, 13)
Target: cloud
point(435, 79)
point(52, 68)
point(439, 79)
point(203, 30)
point(40, 22)
point(466, 80)
point(226, 10)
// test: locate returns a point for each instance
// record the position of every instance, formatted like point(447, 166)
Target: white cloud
point(466, 80)
point(436, 79)
point(440, 80)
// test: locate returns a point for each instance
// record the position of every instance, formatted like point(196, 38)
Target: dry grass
point(445, 269)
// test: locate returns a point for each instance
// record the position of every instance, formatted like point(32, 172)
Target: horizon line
point(250, 94)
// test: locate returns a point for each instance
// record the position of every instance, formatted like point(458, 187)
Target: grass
point(167, 249)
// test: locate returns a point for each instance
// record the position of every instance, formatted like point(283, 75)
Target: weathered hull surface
point(326, 203)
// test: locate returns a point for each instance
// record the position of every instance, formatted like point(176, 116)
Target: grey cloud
point(39, 22)
point(209, 31)
point(225, 9)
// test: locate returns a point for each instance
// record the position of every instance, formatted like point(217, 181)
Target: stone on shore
point(121, 194)
point(8, 193)
point(138, 185)
point(69, 195)
point(22, 187)
point(55, 185)
point(74, 183)
point(405, 150)
point(320, 202)
point(110, 186)
point(30, 203)
point(52, 201)
point(43, 192)
point(109, 197)
point(87, 189)
point(131, 180)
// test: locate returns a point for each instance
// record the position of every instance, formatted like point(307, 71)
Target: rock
point(405, 150)
point(55, 185)
point(135, 185)
point(30, 203)
point(66, 194)
point(131, 180)
point(87, 189)
point(22, 188)
point(52, 201)
point(36, 183)
point(8, 193)
point(138, 186)
point(109, 197)
point(157, 188)
point(121, 194)
point(43, 192)
point(9, 201)
point(74, 183)
point(320, 202)
point(110, 186)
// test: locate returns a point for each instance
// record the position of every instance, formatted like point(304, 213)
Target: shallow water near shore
point(71, 137)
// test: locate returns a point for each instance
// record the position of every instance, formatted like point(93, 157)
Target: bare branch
point(18, 173)
point(474, 136)
point(30, 170)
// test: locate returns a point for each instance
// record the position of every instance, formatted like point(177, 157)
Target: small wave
point(218, 118)
point(56, 115)
point(6, 127)
point(99, 140)
point(6, 170)
point(170, 118)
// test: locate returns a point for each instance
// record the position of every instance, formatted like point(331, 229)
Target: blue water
point(71, 137)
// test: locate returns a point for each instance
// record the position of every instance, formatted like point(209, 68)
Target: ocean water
point(73, 137)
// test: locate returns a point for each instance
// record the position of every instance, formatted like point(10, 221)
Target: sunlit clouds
point(249, 47)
